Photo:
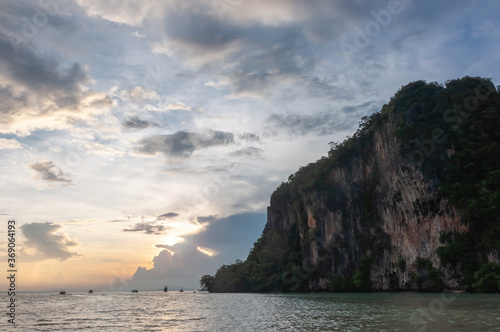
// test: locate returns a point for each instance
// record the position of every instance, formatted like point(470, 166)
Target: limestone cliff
point(379, 204)
point(411, 201)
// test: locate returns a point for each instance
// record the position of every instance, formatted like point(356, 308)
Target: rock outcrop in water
point(411, 201)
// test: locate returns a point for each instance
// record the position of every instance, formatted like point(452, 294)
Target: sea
point(203, 311)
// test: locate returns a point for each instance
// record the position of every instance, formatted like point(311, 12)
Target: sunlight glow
point(206, 251)
point(171, 240)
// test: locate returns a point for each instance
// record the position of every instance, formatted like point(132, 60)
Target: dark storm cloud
point(182, 144)
point(150, 228)
point(44, 238)
point(134, 122)
point(167, 215)
point(50, 172)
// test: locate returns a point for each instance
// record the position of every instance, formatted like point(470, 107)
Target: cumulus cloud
point(181, 270)
point(48, 171)
point(182, 144)
point(47, 242)
point(182, 265)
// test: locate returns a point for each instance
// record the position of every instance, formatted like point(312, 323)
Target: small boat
point(181, 290)
point(134, 291)
point(91, 291)
point(165, 288)
point(62, 292)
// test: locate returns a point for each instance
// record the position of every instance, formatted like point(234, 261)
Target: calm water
point(188, 311)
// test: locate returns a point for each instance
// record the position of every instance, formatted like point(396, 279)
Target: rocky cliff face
point(379, 205)
point(411, 201)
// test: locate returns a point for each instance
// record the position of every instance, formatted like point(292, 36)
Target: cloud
point(207, 251)
point(41, 74)
point(179, 107)
point(47, 242)
point(10, 144)
point(259, 46)
point(167, 215)
point(50, 172)
point(134, 122)
point(130, 12)
point(179, 270)
point(182, 265)
point(249, 137)
point(39, 91)
point(235, 232)
point(11, 102)
point(322, 123)
point(163, 246)
point(206, 219)
point(148, 227)
point(139, 94)
point(208, 40)
point(301, 124)
point(182, 144)
point(248, 152)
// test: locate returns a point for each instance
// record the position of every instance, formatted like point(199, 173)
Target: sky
point(140, 141)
